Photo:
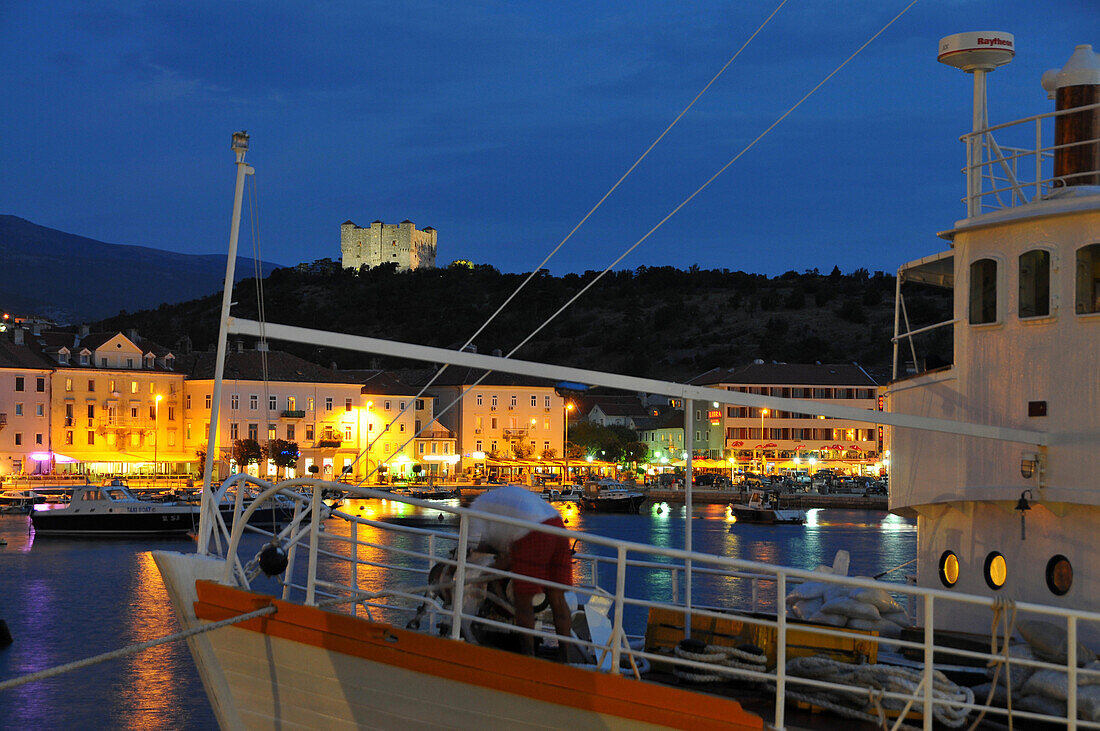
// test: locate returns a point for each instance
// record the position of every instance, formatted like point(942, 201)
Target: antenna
point(976, 53)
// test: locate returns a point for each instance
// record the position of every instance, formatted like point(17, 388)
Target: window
point(91, 411)
point(1035, 283)
point(983, 292)
point(546, 423)
point(102, 362)
point(19, 409)
point(152, 388)
point(40, 385)
point(328, 403)
point(272, 403)
point(69, 384)
point(187, 430)
point(401, 405)
point(493, 402)
point(949, 569)
point(421, 447)
point(206, 400)
point(235, 401)
point(153, 412)
point(234, 431)
point(187, 401)
point(19, 383)
point(271, 432)
point(1059, 575)
point(133, 412)
point(111, 385)
point(133, 386)
point(129, 362)
point(83, 359)
point(479, 399)
point(68, 437)
point(512, 403)
point(309, 433)
point(19, 439)
point(347, 433)
point(91, 437)
point(253, 402)
point(91, 385)
point(493, 423)
point(39, 410)
point(290, 403)
point(253, 431)
point(309, 403)
point(290, 432)
point(534, 400)
point(171, 413)
point(995, 570)
point(1088, 280)
point(420, 404)
point(347, 404)
point(546, 401)
point(477, 446)
point(386, 405)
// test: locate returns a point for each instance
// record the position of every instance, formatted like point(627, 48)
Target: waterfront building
point(269, 395)
point(502, 415)
point(385, 243)
point(25, 386)
point(770, 441)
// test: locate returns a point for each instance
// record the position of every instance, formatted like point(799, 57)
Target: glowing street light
point(763, 413)
point(156, 431)
point(565, 445)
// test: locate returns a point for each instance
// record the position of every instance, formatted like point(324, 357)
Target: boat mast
point(206, 521)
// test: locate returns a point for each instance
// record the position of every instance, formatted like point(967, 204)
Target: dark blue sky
point(501, 123)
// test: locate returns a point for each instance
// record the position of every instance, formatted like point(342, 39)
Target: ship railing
point(328, 581)
point(1014, 175)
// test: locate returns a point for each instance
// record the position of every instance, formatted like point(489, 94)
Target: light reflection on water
point(65, 599)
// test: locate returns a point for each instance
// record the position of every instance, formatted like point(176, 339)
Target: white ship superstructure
point(999, 517)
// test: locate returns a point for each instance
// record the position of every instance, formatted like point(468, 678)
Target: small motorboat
point(764, 508)
point(562, 495)
point(18, 502)
point(611, 496)
point(111, 509)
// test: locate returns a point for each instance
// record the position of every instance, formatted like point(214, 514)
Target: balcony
point(517, 433)
point(329, 443)
point(441, 434)
point(293, 414)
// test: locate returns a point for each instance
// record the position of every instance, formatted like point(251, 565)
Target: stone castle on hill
point(383, 243)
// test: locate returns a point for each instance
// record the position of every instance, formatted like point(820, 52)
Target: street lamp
point(565, 445)
point(156, 431)
point(763, 413)
point(367, 455)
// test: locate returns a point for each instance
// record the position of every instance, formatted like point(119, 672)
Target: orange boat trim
point(508, 672)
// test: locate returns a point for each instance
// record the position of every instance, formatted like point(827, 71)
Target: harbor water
point(65, 599)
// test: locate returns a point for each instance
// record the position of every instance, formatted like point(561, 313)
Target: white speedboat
point(611, 496)
point(335, 647)
point(112, 510)
point(763, 508)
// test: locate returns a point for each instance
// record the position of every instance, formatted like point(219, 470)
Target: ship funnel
point(977, 53)
point(1076, 135)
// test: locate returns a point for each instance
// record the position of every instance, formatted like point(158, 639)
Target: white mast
point(206, 521)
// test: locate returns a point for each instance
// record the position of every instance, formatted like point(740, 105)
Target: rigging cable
point(261, 316)
point(562, 243)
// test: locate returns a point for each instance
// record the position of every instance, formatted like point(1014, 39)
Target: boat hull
point(768, 516)
point(136, 521)
point(307, 667)
point(629, 504)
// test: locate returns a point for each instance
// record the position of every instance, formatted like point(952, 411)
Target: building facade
point(385, 243)
point(502, 416)
point(769, 441)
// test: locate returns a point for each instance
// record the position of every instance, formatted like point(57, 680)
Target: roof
point(788, 374)
point(248, 366)
point(23, 356)
point(386, 383)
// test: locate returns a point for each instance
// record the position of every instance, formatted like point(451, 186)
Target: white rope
point(857, 686)
point(130, 650)
point(720, 656)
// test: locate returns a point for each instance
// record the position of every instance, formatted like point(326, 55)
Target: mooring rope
point(132, 649)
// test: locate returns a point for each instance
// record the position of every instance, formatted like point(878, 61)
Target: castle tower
point(384, 243)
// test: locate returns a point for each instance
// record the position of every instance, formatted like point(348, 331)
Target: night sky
point(502, 123)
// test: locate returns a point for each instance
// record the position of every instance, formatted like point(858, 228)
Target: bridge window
point(983, 292)
point(1035, 283)
point(1088, 279)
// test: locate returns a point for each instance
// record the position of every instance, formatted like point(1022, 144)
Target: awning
point(937, 270)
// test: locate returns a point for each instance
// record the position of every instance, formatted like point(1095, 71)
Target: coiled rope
point(719, 656)
point(864, 696)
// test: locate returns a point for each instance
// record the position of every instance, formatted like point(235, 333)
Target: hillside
point(69, 278)
point(660, 322)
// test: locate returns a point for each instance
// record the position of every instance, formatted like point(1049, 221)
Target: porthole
point(996, 570)
point(949, 568)
point(1059, 575)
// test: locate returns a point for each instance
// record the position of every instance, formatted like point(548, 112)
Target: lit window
point(996, 570)
point(949, 569)
point(1035, 283)
point(1088, 279)
point(983, 292)
point(133, 386)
